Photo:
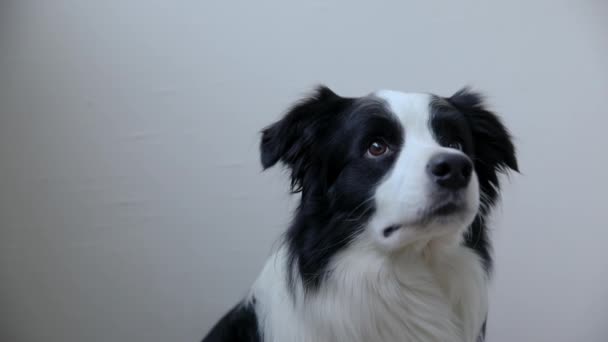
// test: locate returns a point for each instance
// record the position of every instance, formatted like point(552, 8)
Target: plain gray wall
point(132, 203)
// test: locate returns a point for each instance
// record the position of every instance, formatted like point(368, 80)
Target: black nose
point(450, 170)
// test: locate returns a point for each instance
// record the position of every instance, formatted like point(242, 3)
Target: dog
point(389, 241)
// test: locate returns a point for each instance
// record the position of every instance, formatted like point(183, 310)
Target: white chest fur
point(437, 293)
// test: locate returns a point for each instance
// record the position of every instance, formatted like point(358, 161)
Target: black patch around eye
point(449, 126)
point(372, 122)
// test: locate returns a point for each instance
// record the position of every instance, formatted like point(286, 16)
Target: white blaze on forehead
point(413, 111)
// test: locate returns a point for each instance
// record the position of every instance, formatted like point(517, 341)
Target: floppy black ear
point(293, 139)
point(493, 147)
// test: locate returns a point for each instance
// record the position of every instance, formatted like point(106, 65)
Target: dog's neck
point(434, 292)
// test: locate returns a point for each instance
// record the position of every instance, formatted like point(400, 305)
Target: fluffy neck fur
point(434, 291)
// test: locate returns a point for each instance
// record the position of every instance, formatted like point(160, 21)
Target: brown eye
point(377, 148)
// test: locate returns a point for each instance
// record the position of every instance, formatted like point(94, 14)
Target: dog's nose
point(450, 170)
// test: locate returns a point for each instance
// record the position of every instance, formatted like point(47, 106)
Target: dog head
point(391, 167)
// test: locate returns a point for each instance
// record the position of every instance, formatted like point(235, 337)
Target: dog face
point(431, 188)
point(391, 167)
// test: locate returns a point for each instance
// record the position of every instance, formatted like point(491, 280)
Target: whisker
point(349, 218)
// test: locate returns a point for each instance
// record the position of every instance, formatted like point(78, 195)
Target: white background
point(132, 203)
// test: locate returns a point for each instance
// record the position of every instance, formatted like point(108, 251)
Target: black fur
point(323, 140)
point(238, 325)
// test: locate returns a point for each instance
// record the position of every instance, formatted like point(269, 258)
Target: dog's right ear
point(293, 139)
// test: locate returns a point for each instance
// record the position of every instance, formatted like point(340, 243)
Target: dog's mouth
point(388, 231)
point(442, 210)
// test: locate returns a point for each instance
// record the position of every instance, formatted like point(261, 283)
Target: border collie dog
point(389, 241)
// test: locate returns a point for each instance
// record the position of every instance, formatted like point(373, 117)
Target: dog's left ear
point(493, 146)
point(296, 139)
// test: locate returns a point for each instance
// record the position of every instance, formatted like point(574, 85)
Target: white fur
point(419, 284)
point(435, 293)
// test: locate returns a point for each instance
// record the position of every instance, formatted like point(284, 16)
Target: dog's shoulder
point(240, 324)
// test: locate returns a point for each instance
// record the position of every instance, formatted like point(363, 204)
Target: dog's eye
point(377, 148)
point(455, 145)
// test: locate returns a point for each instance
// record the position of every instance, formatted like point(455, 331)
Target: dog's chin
point(449, 209)
point(445, 216)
